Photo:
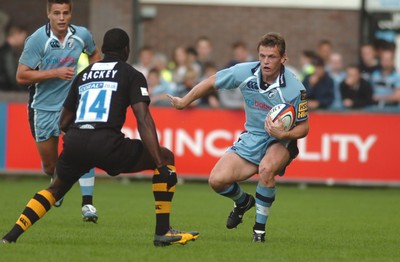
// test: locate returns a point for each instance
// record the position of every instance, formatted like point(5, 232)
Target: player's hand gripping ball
point(285, 112)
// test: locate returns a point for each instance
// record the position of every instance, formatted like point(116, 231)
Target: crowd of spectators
point(373, 83)
point(331, 82)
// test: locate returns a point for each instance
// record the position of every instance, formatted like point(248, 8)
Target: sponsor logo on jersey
point(86, 126)
point(252, 85)
point(98, 85)
point(302, 110)
point(55, 44)
point(144, 91)
point(70, 43)
point(104, 66)
point(257, 104)
point(272, 94)
point(68, 59)
point(62, 60)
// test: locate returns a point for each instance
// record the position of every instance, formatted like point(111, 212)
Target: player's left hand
point(176, 102)
point(275, 129)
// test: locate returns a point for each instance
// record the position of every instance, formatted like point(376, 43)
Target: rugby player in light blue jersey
point(385, 81)
point(264, 148)
point(48, 65)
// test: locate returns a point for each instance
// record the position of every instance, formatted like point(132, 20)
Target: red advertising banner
point(350, 148)
point(21, 154)
point(198, 137)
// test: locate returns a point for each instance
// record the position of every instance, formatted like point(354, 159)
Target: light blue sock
point(265, 196)
point(235, 193)
point(87, 183)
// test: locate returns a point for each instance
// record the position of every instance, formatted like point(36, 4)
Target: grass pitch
point(312, 224)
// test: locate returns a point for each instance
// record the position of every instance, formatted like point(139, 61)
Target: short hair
point(191, 50)
point(239, 44)
point(16, 28)
point(115, 40)
point(368, 44)
point(324, 42)
point(154, 71)
point(203, 39)
point(309, 54)
point(51, 2)
point(317, 61)
point(272, 40)
point(387, 46)
point(148, 48)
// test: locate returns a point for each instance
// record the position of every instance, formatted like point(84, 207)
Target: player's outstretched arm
point(201, 89)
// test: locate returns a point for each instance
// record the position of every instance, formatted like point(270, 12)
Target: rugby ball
point(285, 112)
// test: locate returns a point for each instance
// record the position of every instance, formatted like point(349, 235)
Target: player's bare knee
point(266, 170)
point(216, 183)
point(212, 182)
point(219, 182)
point(267, 175)
point(168, 156)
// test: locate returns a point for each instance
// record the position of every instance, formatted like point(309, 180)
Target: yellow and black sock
point(36, 208)
point(163, 198)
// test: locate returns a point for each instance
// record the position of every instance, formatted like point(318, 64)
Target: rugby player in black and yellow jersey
point(93, 115)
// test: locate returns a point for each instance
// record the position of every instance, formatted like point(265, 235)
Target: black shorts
point(293, 149)
point(106, 149)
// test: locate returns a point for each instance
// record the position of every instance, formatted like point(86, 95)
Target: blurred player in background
point(385, 81)
point(264, 148)
point(48, 64)
point(94, 112)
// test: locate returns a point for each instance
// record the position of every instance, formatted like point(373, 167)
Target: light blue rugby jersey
point(44, 51)
point(258, 102)
point(384, 85)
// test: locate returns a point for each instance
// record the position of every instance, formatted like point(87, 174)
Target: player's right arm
point(27, 76)
point(147, 131)
point(148, 135)
point(299, 131)
point(203, 88)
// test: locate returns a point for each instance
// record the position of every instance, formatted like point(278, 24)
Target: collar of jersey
point(280, 81)
point(49, 33)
